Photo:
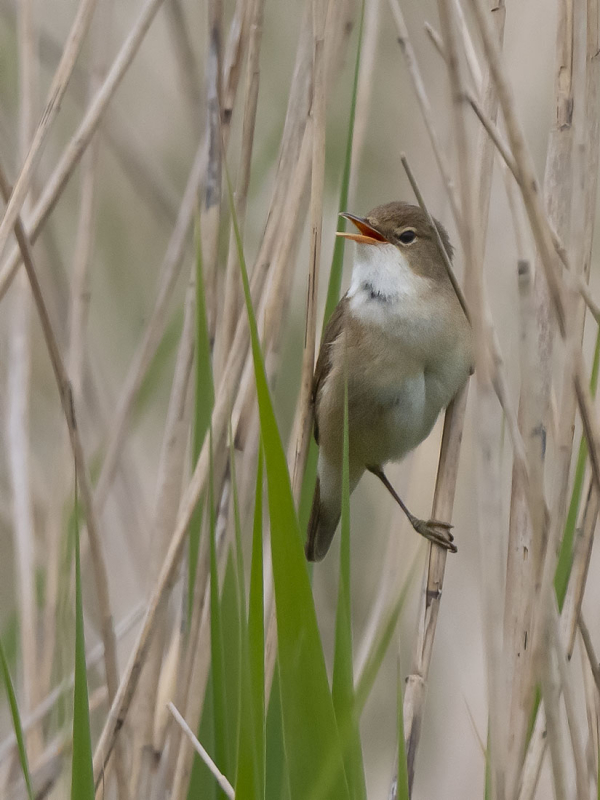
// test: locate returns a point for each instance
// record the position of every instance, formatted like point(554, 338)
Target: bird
point(402, 343)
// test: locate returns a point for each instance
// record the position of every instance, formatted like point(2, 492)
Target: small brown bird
point(403, 340)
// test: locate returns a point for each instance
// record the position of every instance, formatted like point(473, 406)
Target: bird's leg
point(434, 530)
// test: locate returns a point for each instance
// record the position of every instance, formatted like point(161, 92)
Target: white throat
point(383, 282)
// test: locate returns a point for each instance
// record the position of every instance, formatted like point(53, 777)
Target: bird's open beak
point(367, 235)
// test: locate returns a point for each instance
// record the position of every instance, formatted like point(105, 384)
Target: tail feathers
point(321, 527)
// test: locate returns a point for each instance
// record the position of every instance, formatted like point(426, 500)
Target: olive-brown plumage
point(402, 338)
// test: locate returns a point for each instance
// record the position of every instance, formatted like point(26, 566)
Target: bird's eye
point(408, 236)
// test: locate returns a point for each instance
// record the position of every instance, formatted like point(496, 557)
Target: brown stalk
point(56, 93)
point(79, 142)
point(64, 388)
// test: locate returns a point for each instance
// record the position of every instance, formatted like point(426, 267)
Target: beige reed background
point(110, 219)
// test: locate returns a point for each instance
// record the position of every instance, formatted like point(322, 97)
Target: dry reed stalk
point(18, 406)
point(187, 63)
point(569, 622)
point(558, 191)
point(219, 777)
point(84, 241)
point(592, 706)
point(232, 290)
point(71, 49)
point(566, 681)
point(586, 641)
point(210, 210)
point(80, 140)
point(66, 398)
point(168, 492)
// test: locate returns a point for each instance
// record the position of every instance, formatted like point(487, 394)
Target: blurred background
point(145, 149)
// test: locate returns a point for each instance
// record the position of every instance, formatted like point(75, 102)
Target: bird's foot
point(436, 531)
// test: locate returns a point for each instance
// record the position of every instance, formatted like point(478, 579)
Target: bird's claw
point(437, 532)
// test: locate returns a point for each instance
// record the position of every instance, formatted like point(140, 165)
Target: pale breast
point(404, 366)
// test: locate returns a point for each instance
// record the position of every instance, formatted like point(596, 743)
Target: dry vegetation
point(150, 153)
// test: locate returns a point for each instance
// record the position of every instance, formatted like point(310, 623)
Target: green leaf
point(309, 725)
point(343, 677)
point(16, 718)
point(277, 785)
point(82, 775)
point(250, 781)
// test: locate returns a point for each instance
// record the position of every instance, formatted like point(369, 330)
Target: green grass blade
point(82, 774)
point(277, 784)
point(204, 399)
point(565, 558)
point(16, 719)
point(342, 689)
point(256, 635)
point(231, 638)
point(402, 775)
point(250, 781)
point(309, 725)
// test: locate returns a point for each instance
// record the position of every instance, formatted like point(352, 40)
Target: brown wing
point(330, 334)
